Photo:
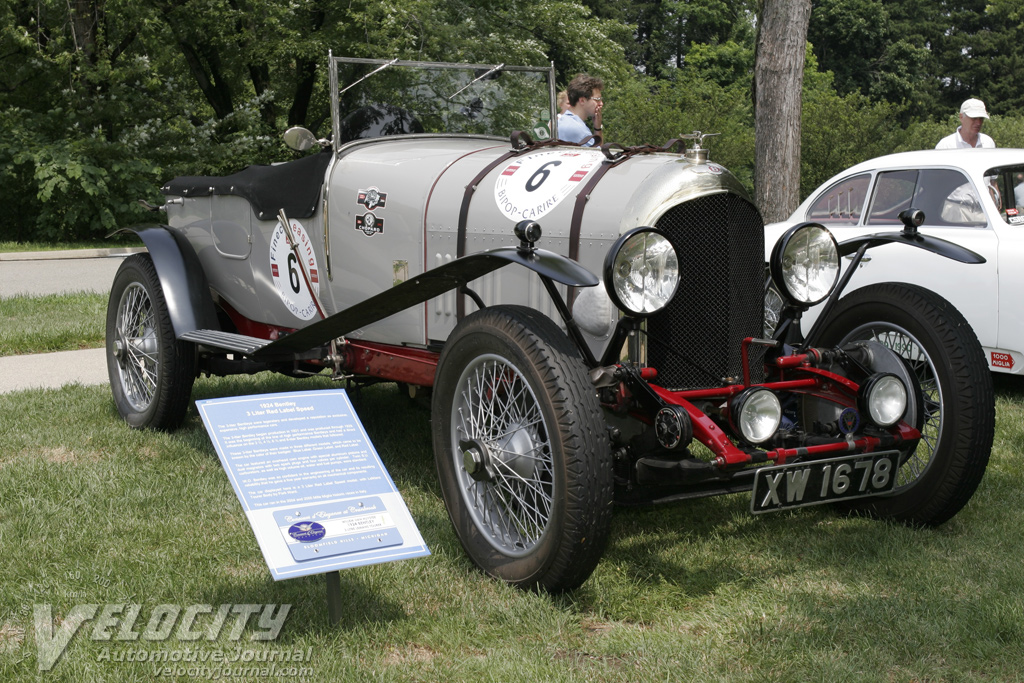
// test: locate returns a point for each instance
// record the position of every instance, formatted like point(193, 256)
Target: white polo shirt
point(954, 141)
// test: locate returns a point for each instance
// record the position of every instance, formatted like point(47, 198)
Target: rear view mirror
point(299, 139)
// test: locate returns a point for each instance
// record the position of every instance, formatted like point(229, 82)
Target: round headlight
point(805, 264)
point(883, 398)
point(756, 414)
point(641, 272)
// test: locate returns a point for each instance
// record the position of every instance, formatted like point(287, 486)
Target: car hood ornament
point(697, 153)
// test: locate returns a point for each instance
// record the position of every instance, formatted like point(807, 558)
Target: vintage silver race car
point(623, 362)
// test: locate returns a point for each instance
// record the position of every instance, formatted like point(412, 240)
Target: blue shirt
point(572, 129)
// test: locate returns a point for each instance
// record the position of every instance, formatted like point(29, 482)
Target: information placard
point(311, 483)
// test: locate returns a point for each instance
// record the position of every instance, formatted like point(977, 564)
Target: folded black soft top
point(293, 186)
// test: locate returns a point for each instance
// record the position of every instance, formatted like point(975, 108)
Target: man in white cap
point(968, 134)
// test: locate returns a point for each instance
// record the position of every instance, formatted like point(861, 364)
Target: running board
point(239, 343)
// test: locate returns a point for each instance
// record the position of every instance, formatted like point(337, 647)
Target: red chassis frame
point(797, 374)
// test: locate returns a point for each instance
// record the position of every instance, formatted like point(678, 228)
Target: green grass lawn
point(58, 322)
point(93, 512)
point(115, 241)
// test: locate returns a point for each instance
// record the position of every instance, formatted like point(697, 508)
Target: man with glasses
point(584, 103)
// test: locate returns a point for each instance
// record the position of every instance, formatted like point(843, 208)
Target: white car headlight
point(805, 264)
point(756, 414)
point(641, 272)
point(883, 398)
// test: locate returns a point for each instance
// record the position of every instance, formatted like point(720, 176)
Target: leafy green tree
point(928, 55)
point(727, 64)
point(65, 141)
point(650, 111)
point(664, 31)
point(102, 100)
point(841, 130)
point(995, 56)
point(1007, 131)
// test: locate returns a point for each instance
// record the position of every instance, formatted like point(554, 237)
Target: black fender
point(935, 245)
point(912, 219)
point(426, 286)
point(184, 284)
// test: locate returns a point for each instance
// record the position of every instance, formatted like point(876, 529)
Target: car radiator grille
point(695, 341)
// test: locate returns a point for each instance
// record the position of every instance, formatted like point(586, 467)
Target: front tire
point(151, 372)
point(522, 453)
point(939, 347)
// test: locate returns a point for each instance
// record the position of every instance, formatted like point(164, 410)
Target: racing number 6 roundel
point(285, 270)
point(531, 186)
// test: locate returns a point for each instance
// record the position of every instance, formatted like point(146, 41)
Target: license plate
point(822, 481)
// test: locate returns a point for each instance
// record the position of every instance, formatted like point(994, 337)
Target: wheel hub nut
point(474, 460)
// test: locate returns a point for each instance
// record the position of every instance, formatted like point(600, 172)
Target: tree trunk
point(778, 83)
point(305, 80)
point(84, 14)
point(305, 74)
point(211, 83)
point(259, 74)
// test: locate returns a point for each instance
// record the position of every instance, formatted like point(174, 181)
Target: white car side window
point(946, 197)
point(841, 204)
point(894, 192)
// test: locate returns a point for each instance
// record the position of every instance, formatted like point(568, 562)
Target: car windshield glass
point(374, 98)
point(946, 197)
point(1009, 192)
point(842, 203)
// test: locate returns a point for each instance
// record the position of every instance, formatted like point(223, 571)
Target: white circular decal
point(284, 268)
point(531, 186)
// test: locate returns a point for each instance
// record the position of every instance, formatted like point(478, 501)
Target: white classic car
point(972, 197)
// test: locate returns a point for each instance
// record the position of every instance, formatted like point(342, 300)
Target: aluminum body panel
point(394, 207)
point(378, 196)
point(635, 192)
point(238, 253)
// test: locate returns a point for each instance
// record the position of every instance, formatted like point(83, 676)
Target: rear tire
point(521, 448)
point(151, 372)
point(939, 347)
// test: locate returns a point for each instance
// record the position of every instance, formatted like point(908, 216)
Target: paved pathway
point(51, 370)
point(54, 272)
point(41, 273)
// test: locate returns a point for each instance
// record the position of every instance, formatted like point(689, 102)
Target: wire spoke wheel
point(521, 449)
point(929, 421)
point(496, 408)
point(956, 405)
point(137, 350)
point(151, 372)
point(773, 305)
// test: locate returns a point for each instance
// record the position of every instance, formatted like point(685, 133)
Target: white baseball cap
point(974, 108)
